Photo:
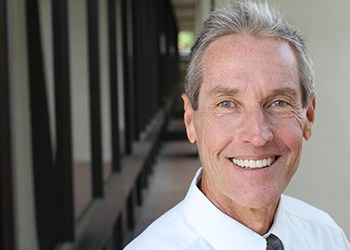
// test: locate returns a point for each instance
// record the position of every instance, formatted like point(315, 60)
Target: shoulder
point(305, 220)
point(170, 231)
point(306, 212)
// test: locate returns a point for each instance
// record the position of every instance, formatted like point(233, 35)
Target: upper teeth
point(253, 163)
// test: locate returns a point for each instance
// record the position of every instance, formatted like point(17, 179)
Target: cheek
point(290, 134)
point(290, 126)
point(214, 129)
point(214, 133)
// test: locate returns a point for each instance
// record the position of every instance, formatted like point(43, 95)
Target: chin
point(260, 201)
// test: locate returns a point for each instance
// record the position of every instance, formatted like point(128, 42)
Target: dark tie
point(274, 243)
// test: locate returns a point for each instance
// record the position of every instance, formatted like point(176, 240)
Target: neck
point(257, 219)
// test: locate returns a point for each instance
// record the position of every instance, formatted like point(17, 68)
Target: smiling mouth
point(254, 164)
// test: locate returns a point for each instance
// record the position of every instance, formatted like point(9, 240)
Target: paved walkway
point(174, 169)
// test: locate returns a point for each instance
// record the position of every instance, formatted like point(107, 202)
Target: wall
point(203, 8)
point(79, 80)
point(323, 176)
point(25, 224)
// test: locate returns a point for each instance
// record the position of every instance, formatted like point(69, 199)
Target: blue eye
point(226, 104)
point(279, 103)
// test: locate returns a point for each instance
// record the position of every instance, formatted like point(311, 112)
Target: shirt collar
point(279, 227)
point(218, 229)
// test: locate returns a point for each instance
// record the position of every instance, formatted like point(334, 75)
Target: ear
point(310, 117)
point(188, 118)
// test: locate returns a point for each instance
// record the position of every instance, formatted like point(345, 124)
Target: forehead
point(252, 59)
point(247, 45)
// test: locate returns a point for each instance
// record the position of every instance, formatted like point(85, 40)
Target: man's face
point(250, 122)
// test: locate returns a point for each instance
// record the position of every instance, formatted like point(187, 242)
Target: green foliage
point(186, 39)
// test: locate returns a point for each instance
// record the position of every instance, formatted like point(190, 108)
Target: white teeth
point(253, 163)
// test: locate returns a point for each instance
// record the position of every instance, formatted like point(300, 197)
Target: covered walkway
point(174, 169)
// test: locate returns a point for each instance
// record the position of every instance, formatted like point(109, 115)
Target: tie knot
point(274, 243)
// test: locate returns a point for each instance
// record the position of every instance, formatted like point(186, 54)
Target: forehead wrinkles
point(243, 45)
point(243, 52)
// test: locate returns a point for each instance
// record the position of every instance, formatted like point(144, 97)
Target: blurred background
point(92, 143)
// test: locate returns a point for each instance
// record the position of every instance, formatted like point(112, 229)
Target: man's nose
point(256, 129)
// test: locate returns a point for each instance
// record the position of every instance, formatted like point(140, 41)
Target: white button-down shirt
point(195, 223)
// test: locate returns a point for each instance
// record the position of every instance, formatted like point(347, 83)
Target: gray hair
point(254, 19)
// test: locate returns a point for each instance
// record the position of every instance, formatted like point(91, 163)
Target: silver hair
point(254, 19)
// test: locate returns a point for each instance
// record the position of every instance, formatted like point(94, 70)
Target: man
point(249, 104)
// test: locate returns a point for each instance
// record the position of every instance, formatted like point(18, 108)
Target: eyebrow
point(285, 90)
point(232, 91)
point(220, 90)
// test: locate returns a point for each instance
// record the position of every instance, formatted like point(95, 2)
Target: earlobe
point(188, 118)
point(310, 117)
